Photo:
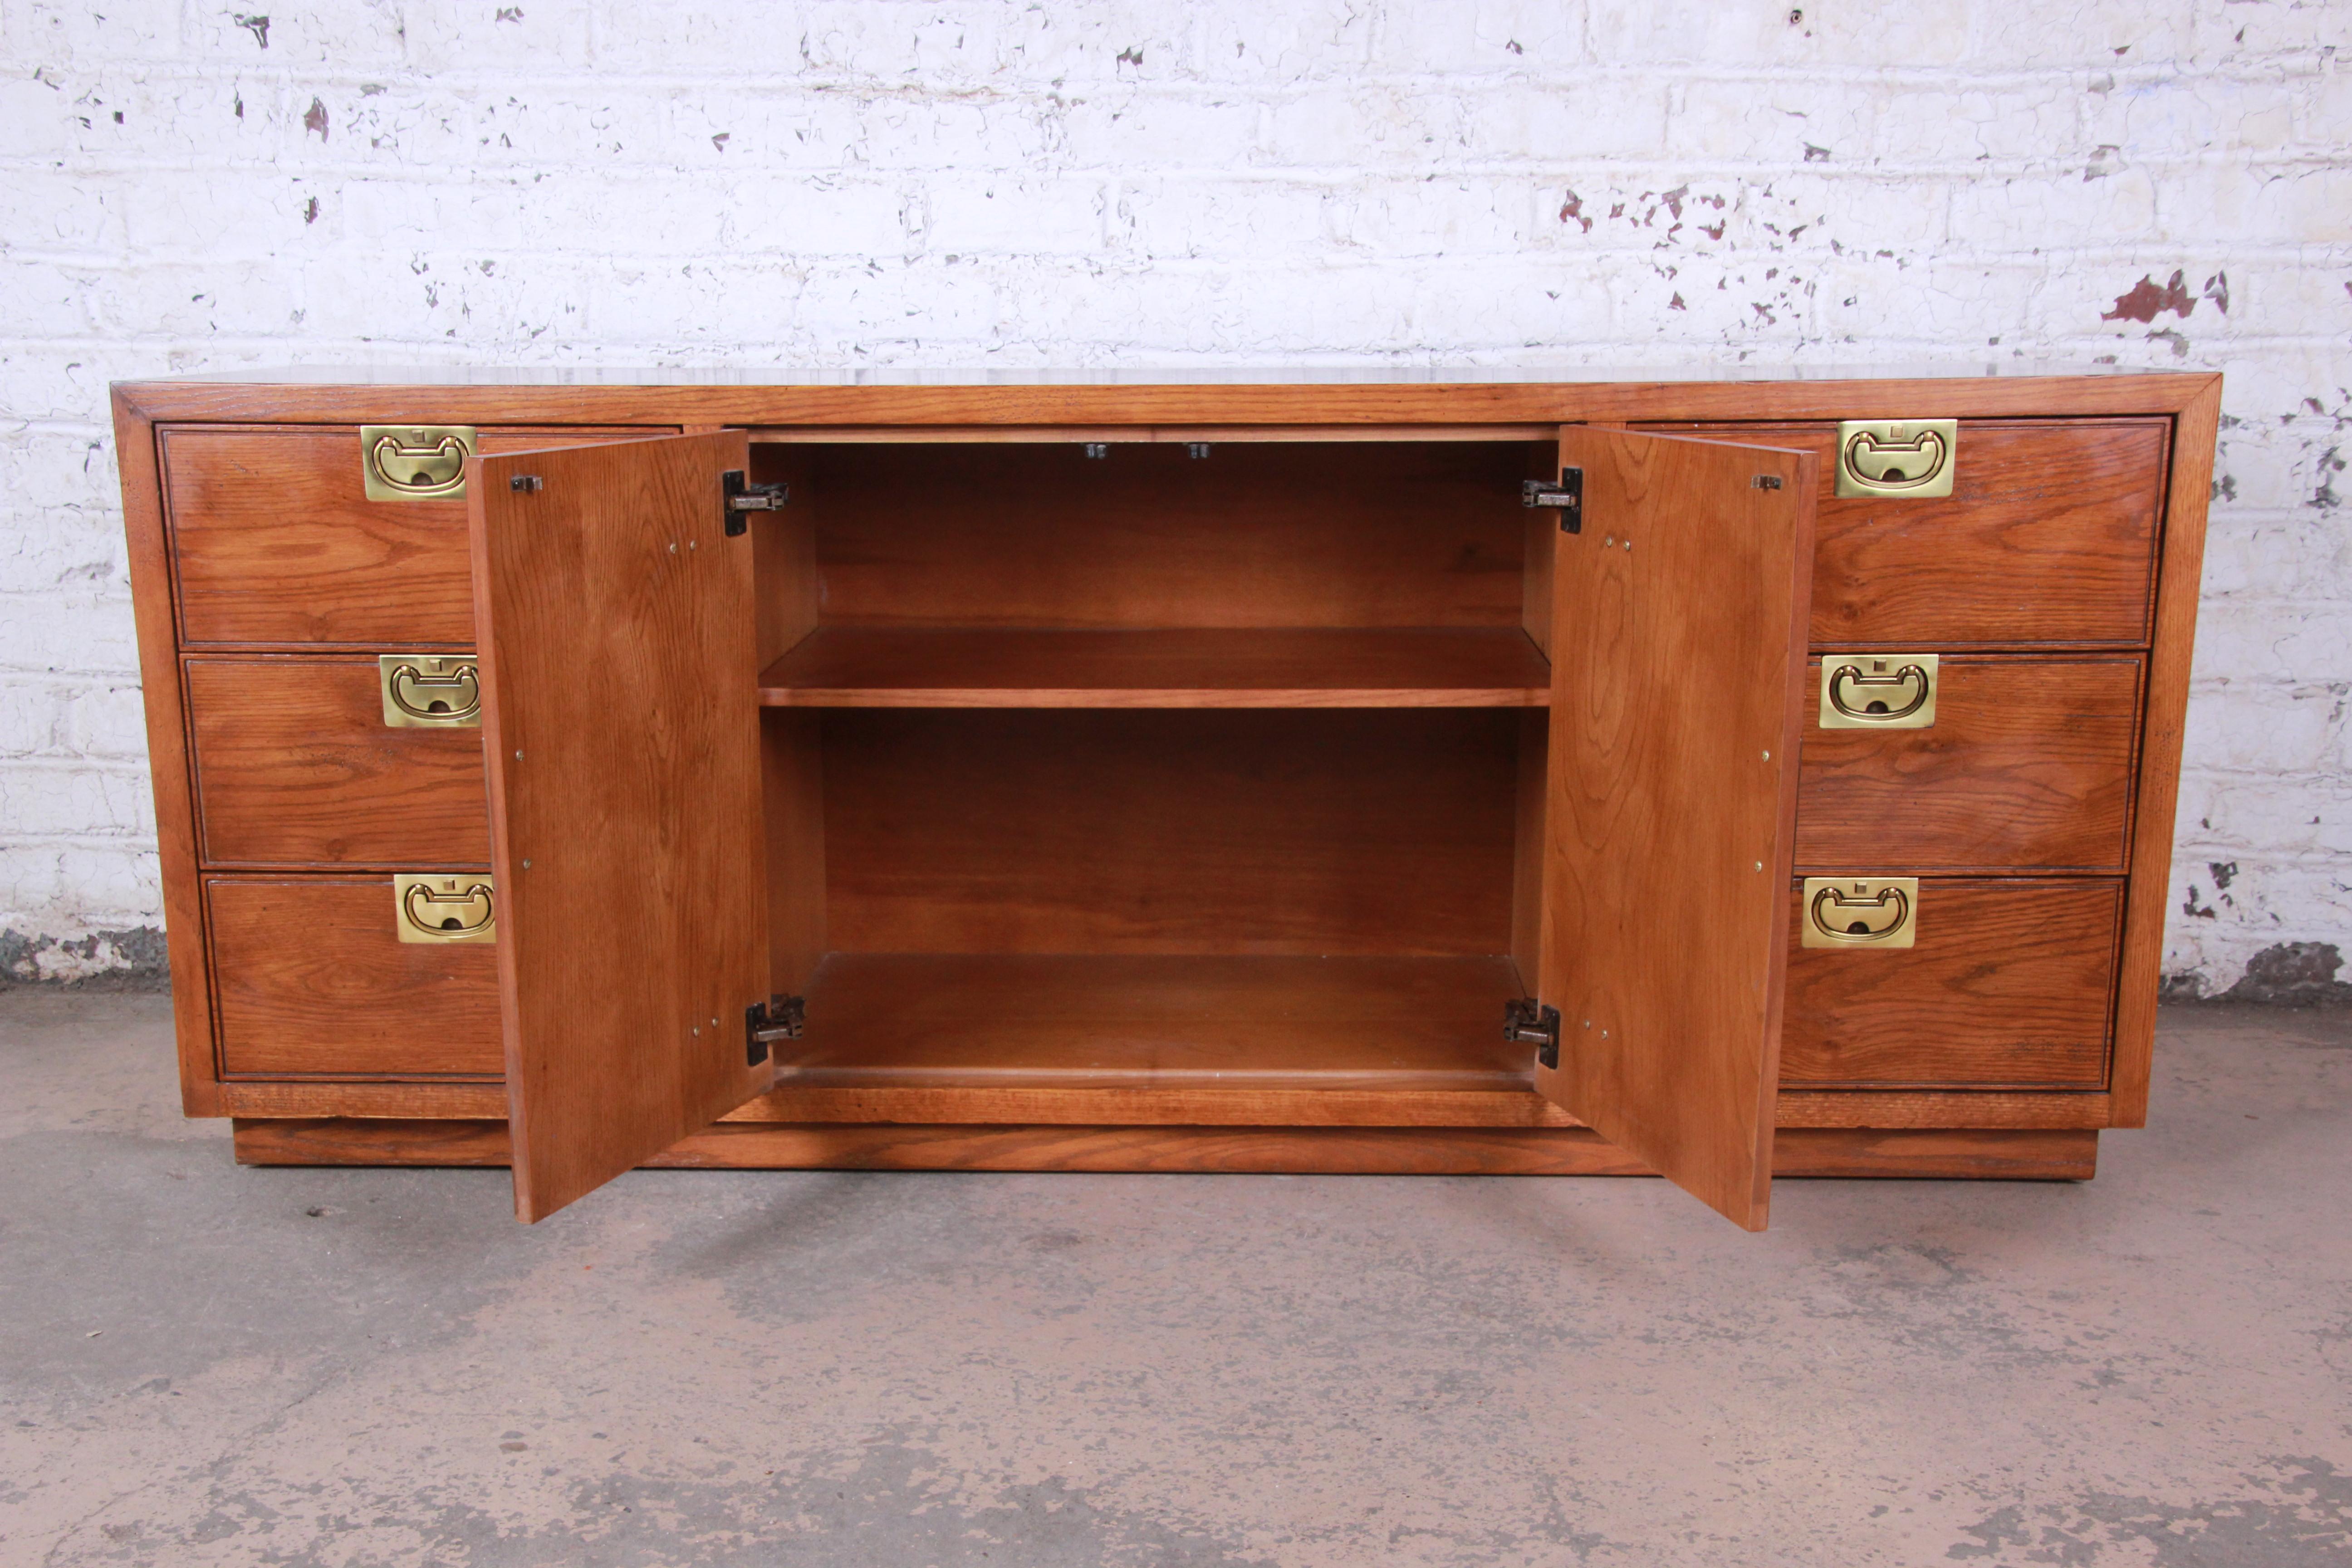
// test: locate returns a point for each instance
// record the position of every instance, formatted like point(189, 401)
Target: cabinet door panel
point(620, 705)
point(1678, 638)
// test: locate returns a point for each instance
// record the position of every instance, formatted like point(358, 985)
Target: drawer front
point(2008, 985)
point(296, 766)
point(274, 539)
point(313, 980)
point(2049, 536)
point(2027, 765)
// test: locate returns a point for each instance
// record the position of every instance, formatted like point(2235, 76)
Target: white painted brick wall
point(1620, 184)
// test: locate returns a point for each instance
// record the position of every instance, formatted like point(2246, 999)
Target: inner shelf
point(1436, 666)
point(996, 1020)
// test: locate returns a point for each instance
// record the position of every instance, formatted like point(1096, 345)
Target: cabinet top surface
point(1144, 377)
point(1178, 397)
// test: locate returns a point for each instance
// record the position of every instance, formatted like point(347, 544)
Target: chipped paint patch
point(2296, 1513)
point(133, 960)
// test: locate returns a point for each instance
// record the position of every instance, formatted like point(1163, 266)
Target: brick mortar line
point(2319, 62)
point(2319, 158)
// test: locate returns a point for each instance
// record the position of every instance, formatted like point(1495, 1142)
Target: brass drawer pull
point(1878, 691)
point(441, 908)
point(1893, 458)
point(424, 692)
point(1860, 911)
point(414, 462)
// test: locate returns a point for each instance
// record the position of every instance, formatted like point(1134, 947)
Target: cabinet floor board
point(891, 1020)
point(1435, 666)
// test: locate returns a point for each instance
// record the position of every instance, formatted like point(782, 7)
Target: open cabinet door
point(1680, 588)
point(615, 617)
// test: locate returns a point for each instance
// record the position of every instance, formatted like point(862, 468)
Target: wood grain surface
point(294, 766)
point(856, 666)
point(2028, 766)
point(148, 552)
point(791, 754)
point(883, 1020)
point(2048, 537)
point(1678, 661)
point(619, 704)
point(2148, 903)
point(1258, 534)
point(1157, 404)
point(275, 542)
point(1836, 1154)
point(2008, 986)
point(314, 981)
point(386, 1098)
point(1339, 832)
point(1183, 1103)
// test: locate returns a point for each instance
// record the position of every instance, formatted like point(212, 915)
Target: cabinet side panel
point(792, 776)
point(167, 756)
point(2180, 577)
point(1527, 851)
point(792, 784)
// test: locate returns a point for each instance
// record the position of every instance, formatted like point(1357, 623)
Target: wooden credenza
point(1725, 778)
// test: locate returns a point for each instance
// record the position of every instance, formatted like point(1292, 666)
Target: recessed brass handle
point(1878, 691)
point(424, 692)
point(1893, 458)
point(438, 907)
point(1860, 911)
point(414, 462)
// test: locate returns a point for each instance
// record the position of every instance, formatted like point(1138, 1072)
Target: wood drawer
point(312, 980)
point(2028, 766)
point(274, 539)
point(2049, 536)
point(2011, 985)
point(294, 766)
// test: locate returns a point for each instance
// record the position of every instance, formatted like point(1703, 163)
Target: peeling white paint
point(1602, 187)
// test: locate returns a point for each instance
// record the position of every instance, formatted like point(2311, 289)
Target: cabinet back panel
point(1418, 533)
point(1330, 833)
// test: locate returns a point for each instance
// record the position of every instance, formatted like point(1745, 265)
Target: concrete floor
point(203, 1364)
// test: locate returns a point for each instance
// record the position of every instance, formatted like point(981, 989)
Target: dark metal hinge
point(765, 1023)
point(743, 498)
point(1529, 1023)
point(1567, 497)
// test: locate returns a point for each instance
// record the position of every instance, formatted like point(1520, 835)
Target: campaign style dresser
point(1445, 771)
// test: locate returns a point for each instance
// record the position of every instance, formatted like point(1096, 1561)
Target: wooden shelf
point(1099, 1021)
point(862, 667)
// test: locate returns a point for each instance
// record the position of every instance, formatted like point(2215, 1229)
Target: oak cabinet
point(1722, 779)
